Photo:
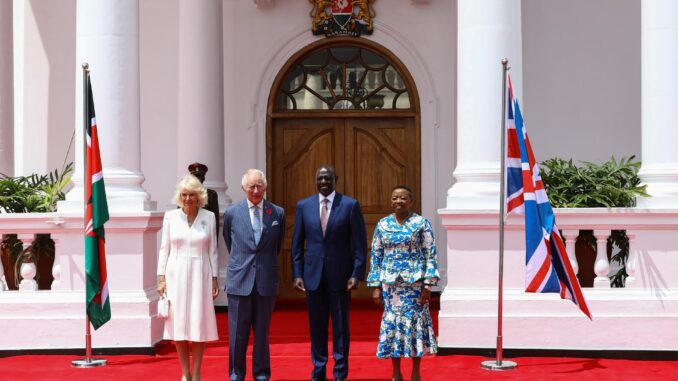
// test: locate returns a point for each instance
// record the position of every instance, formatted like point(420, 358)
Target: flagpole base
point(494, 365)
point(88, 363)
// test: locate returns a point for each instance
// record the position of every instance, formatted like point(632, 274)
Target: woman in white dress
point(187, 274)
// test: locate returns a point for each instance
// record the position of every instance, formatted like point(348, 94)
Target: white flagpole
point(499, 363)
point(88, 361)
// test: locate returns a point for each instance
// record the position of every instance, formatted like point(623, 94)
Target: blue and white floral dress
point(403, 259)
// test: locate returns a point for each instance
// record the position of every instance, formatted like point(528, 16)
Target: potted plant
point(611, 184)
point(31, 194)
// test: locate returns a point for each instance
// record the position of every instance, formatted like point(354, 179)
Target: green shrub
point(611, 184)
point(34, 193)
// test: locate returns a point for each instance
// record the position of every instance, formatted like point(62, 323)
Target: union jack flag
point(548, 267)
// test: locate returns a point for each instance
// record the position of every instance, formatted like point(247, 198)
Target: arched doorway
point(347, 102)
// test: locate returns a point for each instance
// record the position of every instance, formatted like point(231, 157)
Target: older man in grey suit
point(254, 230)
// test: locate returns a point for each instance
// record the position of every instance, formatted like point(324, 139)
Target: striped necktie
point(324, 213)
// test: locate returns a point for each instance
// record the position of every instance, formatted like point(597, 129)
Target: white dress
point(188, 259)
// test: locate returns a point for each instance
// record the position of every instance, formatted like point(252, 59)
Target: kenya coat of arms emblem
point(342, 17)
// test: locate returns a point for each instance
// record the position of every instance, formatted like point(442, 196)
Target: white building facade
point(178, 81)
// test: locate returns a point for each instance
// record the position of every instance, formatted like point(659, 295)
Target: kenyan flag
point(96, 214)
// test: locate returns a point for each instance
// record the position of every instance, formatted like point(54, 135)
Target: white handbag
point(163, 307)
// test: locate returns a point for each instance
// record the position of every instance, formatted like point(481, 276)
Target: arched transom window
point(343, 77)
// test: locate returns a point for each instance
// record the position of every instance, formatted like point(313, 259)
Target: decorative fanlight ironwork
point(343, 77)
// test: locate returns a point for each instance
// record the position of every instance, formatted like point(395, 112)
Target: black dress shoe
point(319, 379)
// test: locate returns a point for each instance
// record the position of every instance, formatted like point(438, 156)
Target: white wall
point(582, 78)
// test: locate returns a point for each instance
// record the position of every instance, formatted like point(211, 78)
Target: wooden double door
point(371, 156)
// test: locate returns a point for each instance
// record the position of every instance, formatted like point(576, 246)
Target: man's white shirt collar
point(250, 204)
point(329, 198)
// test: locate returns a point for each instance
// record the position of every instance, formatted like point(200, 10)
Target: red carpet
point(290, 352)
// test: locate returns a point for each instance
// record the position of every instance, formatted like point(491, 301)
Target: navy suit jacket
point(341, 253)
point(247, 261)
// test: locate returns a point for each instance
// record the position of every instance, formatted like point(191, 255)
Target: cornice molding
point(264, 3)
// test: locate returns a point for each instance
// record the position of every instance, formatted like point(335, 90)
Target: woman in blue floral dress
point(404, 267)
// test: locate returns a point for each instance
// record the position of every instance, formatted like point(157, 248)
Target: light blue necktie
point(256, 224)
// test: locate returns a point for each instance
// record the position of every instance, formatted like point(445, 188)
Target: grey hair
point(191, 184)
point(253, 171)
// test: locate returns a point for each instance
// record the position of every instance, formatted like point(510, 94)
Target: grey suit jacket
point(250, 264)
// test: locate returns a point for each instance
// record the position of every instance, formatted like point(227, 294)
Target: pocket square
point(274, 223)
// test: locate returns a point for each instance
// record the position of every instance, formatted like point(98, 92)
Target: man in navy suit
point(254, 230)
point(328, 261)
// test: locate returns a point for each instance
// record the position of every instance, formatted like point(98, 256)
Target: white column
point(44, 49)
point(108, 39)
point(488, 30)
point(201, 97)
point(200, 135)
point(659, 55)
point(311, 102)
point(6, 89)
